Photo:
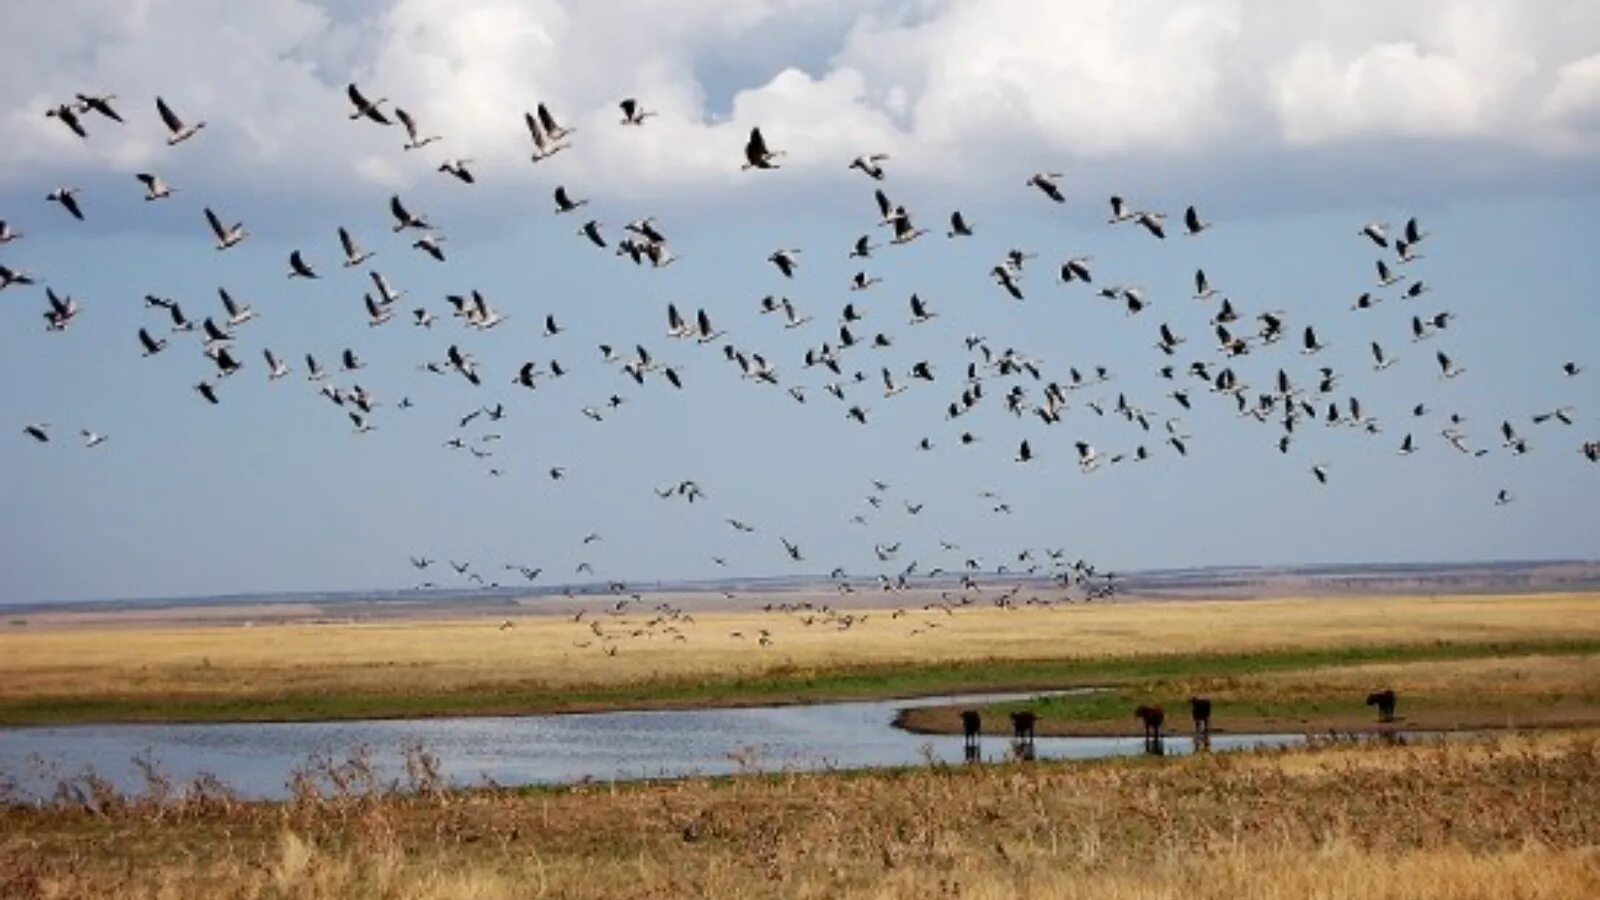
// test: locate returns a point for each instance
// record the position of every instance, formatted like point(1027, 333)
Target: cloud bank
point(950, 88)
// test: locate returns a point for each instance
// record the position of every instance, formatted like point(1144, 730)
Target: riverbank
point(1513, 688)
point(1513, 816)
point(633, 661)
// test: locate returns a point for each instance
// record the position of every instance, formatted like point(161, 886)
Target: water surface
point(257, 758)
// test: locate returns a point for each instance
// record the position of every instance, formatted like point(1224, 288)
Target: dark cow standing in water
point(1153, 717)
point(1022, 723)
point(1200, 709)
point(971, 727)
point(1384, 700)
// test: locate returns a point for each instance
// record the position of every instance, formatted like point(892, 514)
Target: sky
point(1288, 129)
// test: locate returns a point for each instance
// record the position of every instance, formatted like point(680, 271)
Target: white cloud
point(1574, 101)
point(939, 84)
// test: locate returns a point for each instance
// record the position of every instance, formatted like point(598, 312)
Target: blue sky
point(1494, 148)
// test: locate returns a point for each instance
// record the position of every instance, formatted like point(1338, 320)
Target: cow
point(971, 727)
point(1153, 717)
point(1022, 723)
point(1200, 709)
point(1384, 700)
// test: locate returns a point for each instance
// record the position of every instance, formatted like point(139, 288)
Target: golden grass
point(540, 653)
point(1516, 817)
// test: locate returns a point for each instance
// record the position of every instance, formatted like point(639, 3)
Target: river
point(256, 759)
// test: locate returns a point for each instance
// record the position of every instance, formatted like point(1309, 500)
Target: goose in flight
point(404, 219)
point(904, 233)
point(1376, 231)
point(871, 165)
point(1077, 269)
point(151, 345)
point(353, 254)
point(863, 247)
point(415, 140)
point(1004, 277)
point(1192, 223)
point(226, 235)
point(786, 261)
point(959, 226)
point(1153, 222)
point(68, 198)
point(565, 203)
point(1309, 342)
point(430, 244)
point(364, 108)
point(1024, 452)
point(91, 439)
point(1120, 211)
point(920, 312)
point(99, 103)
point(1447, 367)
point(276, 368)
point(1386, 277)
point(632, 112)
point(1046, 183)
point(177, 131)
point(1503, 497)
point(7, 233)
point(39, 431)
point(68, 116)
point(591, 230)
point(1088, 459)
point(377, 314)
point(458, 168)
point(154, 187)
point(793, 319)
point(208, 391)
point(1379, 360)
point(546, 143)
point(223, 357)
point(298, 268)
point(1321, 473)
point(350, 362)
point(61, 312)
point(757, 155)
point(387, 295)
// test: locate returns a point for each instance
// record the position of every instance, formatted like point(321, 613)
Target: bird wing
point(548, 120)
point(171, 119)
point(406, 121)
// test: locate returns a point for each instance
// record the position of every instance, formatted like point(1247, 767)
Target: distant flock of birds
point(1026, 389)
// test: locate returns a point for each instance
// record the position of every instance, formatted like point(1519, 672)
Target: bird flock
point(1272, 368)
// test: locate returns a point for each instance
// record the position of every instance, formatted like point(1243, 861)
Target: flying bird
point(366, 109)
point(1046, 183)
point(177, 131)
point(756, 153)
point(632, 112)
point(154, 187)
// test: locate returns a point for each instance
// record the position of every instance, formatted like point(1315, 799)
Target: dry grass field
point(1513, 817)
point(549, 663)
